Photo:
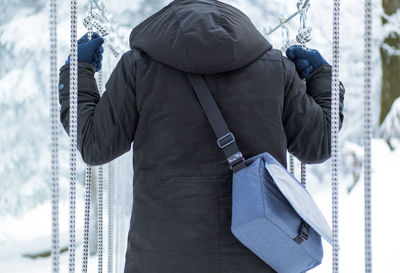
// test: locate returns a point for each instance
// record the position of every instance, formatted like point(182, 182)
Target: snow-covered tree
point(390, 128)
point(390, 54)
point(24, 111)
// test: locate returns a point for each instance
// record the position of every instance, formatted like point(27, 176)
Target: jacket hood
point(200, 36)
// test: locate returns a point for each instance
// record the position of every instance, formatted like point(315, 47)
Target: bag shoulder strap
point(225, 139)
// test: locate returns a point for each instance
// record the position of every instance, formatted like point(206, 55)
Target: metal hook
point(304, 34)
point(303, 7)
point(285, 34)
point(303, 20)
point(285, 31)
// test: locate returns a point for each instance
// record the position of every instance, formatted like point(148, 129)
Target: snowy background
point(25, 222)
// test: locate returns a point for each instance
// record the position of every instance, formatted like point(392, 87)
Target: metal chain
point(118, 219)
point(88, 179)
point(291, 164)
point(303, 37)
point(335, 135)
point(89, 26)
point(286, 43)
point(300, 6)
point(367, 135)
point(110, 216)
point(72, 133)
point(100, 219)
point(304, 34)
point(100, 198)
point(54, 117)
point(90, 22)
point(112, 49)
point(87, 221)
point(303, 174)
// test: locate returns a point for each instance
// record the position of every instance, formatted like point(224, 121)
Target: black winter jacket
point(182, 183)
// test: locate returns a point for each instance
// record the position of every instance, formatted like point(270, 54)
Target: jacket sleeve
point(307, 113)
point(106, 124)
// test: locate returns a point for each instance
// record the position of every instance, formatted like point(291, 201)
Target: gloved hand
point(90, 51)
point(306, 60)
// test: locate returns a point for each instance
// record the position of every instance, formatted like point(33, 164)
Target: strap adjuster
point(227, 139)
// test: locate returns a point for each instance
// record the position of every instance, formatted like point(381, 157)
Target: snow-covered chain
point(110, 217)
point(86, 220)
point(304, 36)
point(100, 186)
point(100, 220)
point(303, 174)
point(90, 22)
point(335, 135)
point(367, 134)
point(54, 117)
point(291, 164)
point(300, 7)
point(88, 179)
point(73, 100)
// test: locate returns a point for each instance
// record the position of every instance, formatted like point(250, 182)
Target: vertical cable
point(118, 219)
point(303, 174)
point(86, 221)
point(54, 117)
point(100, 220)
point(100, 197)
point(367, 135)
point(335, 135)
point(88, 179)
point(110, 216)
point(73, 134)
point(303, 37)
point(291, 164)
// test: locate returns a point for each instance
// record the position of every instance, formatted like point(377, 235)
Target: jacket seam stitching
point(226, 35)
point(185, 39)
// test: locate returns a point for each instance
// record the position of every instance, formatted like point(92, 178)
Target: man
point(181, 216)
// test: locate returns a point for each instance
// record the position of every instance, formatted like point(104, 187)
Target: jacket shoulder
point(272, 55)
point(132, 56)
point(287, 65)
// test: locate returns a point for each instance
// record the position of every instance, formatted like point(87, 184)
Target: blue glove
point(306, 60)
point(90, 51)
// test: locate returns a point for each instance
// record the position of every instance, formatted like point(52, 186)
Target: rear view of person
point(182, 182)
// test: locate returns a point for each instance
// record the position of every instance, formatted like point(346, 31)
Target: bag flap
point(298, 197)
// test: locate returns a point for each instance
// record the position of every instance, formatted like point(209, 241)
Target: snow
point(390, 29)
point(390, 128)
point(385, 204)
point(30, 233)
point(25, 209)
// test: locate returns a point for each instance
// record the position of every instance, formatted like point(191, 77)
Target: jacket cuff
point(320, 80)
point(81, 65)
point(86, 79)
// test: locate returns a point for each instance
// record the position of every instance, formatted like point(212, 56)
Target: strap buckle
point(227, 139)
point(235, 159)
point(304, 230)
